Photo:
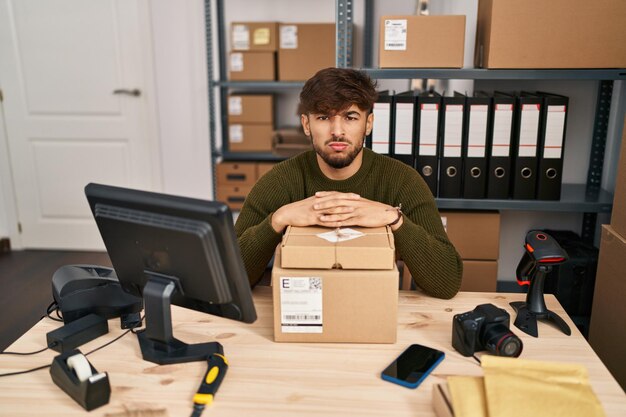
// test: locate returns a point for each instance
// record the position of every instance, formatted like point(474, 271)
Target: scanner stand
point(157, 342)
point(534, 308)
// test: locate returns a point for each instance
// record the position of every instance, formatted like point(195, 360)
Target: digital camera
point(485, 328)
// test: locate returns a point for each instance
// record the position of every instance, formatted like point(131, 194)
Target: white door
point(61, 62)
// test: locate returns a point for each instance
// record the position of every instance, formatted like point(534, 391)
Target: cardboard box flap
point(346, 248)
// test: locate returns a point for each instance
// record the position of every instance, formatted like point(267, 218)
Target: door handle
point(134, 92)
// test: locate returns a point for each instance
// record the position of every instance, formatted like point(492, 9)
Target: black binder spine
point(501, 143)
point(553, 128)
point(403, 132)
point(475, 146)
point(527, 135)
point(450, 168)
point(427, 141)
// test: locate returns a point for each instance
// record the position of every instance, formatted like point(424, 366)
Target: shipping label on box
point(301, 304)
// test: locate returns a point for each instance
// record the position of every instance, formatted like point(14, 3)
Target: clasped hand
point(335, 209)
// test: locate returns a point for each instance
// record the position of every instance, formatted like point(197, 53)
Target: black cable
point(26, 353)
point(477, 360)
point(52, 307)
point(47, 366)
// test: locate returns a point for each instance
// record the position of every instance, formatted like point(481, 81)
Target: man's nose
point(337, 126)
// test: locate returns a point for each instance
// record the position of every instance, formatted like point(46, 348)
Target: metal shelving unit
point(587, 198)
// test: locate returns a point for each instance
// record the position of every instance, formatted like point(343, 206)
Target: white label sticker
point(529, 130)
point(289, 37)
point(340, 235)
point(380, 131)
point(453, 135)
point(235, 133)
point(503, 119)
point(301, 304)
point(404, 129)
point(555, 129)
point(234, 106)
point(241, 37)
point(395, 34)
point(236, 62)
point(477, 136)
point(429, 120)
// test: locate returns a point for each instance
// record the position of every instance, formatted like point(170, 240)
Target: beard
point(334, 159)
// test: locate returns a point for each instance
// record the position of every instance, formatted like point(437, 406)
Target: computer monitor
point(173, 250)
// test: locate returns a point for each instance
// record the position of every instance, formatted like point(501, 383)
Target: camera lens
point(499, 340)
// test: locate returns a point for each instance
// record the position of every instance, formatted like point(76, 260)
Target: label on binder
point(502, 122)
point(404, 129)
point(555, 128)
point(301, 304)
point(429, 120)
point(477, 137)
point(395, 34)
point(529, 130)
point(241, 37)
point(261, 36)
point(289, 37)
point(453, 135)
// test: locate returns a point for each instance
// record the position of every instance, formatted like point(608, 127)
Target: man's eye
point(322, 117)
point(351, 118)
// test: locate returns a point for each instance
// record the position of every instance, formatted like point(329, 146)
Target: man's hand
point(335, 209)
point(361, 212)
point(305, 213)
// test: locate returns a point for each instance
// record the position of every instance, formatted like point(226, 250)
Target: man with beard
point(339, 183)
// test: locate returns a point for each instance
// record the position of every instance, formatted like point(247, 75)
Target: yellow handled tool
point(218, 365)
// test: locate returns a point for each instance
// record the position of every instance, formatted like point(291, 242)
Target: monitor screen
point(180, 248)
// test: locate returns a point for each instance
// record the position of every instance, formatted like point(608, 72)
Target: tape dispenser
point(75, 375)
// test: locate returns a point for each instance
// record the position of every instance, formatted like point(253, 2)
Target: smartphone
point(413, 365)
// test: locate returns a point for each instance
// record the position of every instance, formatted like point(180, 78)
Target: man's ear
point(304, 120)
point(369, 123)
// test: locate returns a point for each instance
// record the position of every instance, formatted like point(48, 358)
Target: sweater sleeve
point(255, 235)
point(422, 243)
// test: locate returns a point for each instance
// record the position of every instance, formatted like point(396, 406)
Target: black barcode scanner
point(541, 253)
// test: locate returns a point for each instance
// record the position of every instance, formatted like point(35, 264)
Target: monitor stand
point(157, 342)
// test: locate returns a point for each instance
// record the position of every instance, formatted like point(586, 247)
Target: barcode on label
point(302, 317)
point(315, 284)
point(395, 44)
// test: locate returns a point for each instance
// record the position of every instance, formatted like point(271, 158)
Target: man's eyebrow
point(351, 113)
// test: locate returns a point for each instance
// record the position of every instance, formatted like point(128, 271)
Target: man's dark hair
point(335, 89)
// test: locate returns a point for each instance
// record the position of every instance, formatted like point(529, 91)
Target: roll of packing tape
point(79, 364)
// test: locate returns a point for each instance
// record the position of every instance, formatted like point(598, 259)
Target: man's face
point(338, 138)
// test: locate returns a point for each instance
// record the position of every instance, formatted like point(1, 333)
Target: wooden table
point(285, 379)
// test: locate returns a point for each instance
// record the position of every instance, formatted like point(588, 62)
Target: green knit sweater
point(420, 241)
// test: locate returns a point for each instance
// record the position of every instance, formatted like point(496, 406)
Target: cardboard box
point(474, 234)
point(236, 173)
point(250, 137)
point(333, 305)
point(606, 334)
point(263, 168)
point(618, 214)
point(373, 248)
point(250, 108)
point(304, 49)
point(254, 36)
point(479, 276)
point(252, 66)
point(421, 41)
point(233, 195)
point(551, 34)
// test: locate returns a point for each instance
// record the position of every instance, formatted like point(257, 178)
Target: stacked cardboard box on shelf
point(544, 34)
point(326, 289)
point(235, 180)
point(253, 51)
point(476, 237)
point(250, 122)
point(304, 49)
point(421, 41)
point(606, 334)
